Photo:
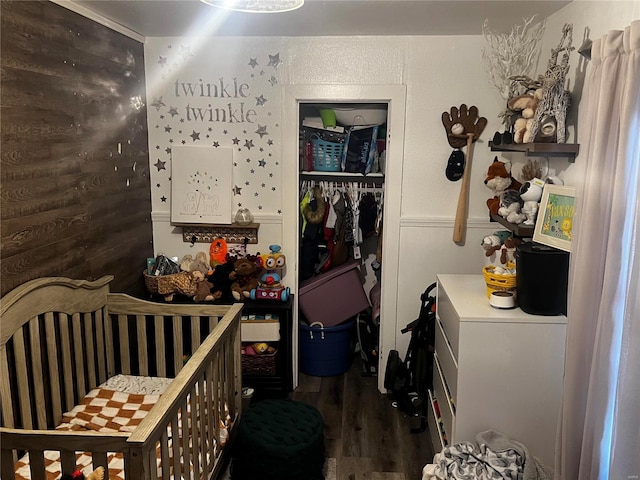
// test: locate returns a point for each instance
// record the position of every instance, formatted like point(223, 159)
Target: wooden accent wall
point(75, 198)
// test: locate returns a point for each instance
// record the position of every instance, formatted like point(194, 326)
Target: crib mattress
point(118, 405)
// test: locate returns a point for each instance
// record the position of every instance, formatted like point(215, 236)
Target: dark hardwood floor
point(368, 437)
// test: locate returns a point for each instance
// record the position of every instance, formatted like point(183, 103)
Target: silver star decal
point(162, 61)
point(237, 190)
point(253, 63)
point(260, 100)
point(262, 163)
point(173, 111)
point(273, 81)
point(195, 135)
point(248, 144)
point(160, 165)
point(262, 130)
point(158, 103)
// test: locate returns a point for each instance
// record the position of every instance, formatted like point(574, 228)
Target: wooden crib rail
point(212, 386)
point(67, 443)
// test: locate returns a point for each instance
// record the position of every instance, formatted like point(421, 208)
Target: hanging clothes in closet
point(336, 217)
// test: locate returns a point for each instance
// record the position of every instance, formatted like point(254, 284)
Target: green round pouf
point(279, 439)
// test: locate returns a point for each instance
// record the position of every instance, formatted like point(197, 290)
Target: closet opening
point(341, 208)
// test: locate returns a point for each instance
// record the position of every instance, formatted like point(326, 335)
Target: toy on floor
point(270, 283)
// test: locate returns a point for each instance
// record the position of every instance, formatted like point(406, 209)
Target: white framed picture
point(201, 184)
point(554, 224)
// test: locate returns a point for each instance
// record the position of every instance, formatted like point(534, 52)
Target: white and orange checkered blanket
point(112, 407)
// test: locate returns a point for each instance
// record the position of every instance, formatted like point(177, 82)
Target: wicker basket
point(263, 365)
point(180, 283)
point(497, 283)
point(326, 156)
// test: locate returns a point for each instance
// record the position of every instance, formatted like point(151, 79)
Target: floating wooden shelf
point(569, 150)
point(206, 233)
point(520, 230)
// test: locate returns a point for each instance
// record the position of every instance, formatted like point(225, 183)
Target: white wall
point(439, 72)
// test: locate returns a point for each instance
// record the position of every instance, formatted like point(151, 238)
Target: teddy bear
point(499, 180)
point(244, 278)
point(526, 105)
point(203, 289)
point(493, 243)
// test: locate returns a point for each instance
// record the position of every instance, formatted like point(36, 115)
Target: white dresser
point(494, 369)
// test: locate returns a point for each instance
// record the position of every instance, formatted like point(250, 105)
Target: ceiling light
point(257, 6)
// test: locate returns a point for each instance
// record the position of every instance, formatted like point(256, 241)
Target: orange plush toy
point(499, 180)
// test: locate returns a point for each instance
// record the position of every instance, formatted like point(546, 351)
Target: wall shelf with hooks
point(206, 233)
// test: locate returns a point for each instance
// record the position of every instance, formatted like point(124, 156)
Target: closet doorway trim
point(395, 97)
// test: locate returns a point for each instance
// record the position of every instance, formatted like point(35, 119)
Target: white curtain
point(599, 432)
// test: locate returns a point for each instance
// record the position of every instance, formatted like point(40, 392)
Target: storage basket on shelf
point(263, 365)
point(499, 282)
point(326, 156)
point(168, 285)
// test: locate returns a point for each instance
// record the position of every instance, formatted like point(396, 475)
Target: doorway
point(394, 96)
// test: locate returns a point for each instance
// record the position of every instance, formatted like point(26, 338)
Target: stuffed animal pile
point(506, 192)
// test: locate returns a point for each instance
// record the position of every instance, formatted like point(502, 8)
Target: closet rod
point(344, 178)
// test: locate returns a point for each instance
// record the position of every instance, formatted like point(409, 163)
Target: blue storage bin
point(325, 351)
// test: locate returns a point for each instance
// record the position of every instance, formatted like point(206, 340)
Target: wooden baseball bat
point(460, 224)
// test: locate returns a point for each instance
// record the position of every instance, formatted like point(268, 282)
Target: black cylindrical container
point(542, 275)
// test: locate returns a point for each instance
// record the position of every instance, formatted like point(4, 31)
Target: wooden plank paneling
point(75, 197)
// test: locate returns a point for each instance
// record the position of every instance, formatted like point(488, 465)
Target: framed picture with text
point(554, 223)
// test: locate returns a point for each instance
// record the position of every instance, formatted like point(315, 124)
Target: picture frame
point(554, 223)
point(201, 185)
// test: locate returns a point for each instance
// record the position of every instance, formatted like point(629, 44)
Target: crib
point(63, 339)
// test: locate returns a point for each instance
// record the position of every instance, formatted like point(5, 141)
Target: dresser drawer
point(448, 316)
point(447, 412)
point(434, 427)
point(448, 363)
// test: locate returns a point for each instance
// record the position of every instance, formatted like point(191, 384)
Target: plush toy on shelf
point(244, 277)
point(531, 193)
point(499, 180)
point(270, 284)
point(203, 289)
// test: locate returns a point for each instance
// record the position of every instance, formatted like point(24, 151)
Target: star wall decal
point(262, 163)
point(162, 61)
point(248, 144)
point(236, 141)
point(167, 129)
point(273, 81)
point(269, 142)
point(163, 199)
point(160, 165)
point(260, 100)
point(262, 130)
point(253, 63)
point(168, 150)
point(237, 190)
point(195, 135)
point(173, 111)
point(158, 103)
point(274, 60)
point(216, 144)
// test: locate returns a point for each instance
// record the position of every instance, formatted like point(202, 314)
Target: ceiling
point(173, 18)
